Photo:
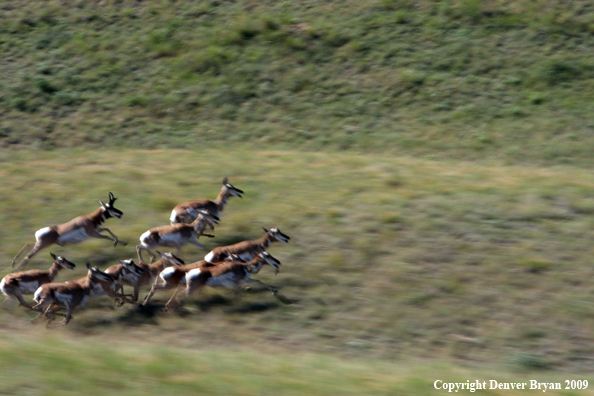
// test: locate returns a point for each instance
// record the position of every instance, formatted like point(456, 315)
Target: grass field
point(142, 368)
point(431, 162)
point(460, 264)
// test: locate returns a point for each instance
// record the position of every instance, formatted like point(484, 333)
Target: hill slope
point(449, 79)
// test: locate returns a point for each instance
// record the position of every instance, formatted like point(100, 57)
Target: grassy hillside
point(511, 80)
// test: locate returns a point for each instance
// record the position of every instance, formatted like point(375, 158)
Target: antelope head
point(204, 219)
point(131, 266)
point(232, 257)
point(109, 210)
point(62, 262)
point(277, 234)
point(266, 258)
point(95, 274)
point(230, 190)
point(171, 258)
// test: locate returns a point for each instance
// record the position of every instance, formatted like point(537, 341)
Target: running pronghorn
point(175, 276)
point(121, 271)
point(230, 275)
point(182, 214)
point(69, 295)
point(177, 235)
point(26, 282)
point(247, 250)
point(76, 230)
point(225, 274)
point(150, 272)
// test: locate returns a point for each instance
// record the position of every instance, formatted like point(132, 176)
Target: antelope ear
point(88, 265)
point(265, 230)
point(53, 256)
point(104, 206)
point(225, 180)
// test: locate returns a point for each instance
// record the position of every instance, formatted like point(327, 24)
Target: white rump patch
point(27, 287)
point(41, 232)
point(37, 296)
point(166, 273)
point(193, 274)
point(2, 285)
point(209, 257)
point(144, 236)
point(173, 216)
point(73, 237)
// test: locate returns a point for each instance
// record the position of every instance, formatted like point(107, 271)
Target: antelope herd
point(225, 266)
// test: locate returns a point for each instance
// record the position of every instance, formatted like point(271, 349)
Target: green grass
point(71, 367)
point(508, 80)
point(389, 257)
point(430, 161)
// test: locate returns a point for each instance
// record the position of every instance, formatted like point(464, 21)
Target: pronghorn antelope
point(182, 214)
point(229, 275)
point(68, 295)
point(176, 235)
point(109, 284)
point(150, 272)
point(125, 269)
point(26, 282)
point(175, 276)
point(76, 230)
point(247, 250)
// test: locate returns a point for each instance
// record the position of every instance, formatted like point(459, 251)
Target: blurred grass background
point(431, 162)
point(391, 258)
point(120, 368)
